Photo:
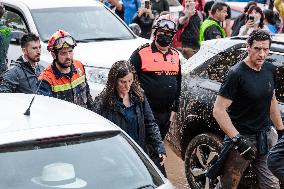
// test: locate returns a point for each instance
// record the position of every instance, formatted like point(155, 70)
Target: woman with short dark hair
point(254, 21)
point(123, 102)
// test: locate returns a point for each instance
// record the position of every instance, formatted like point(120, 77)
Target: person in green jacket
point(5, 37)
point(211, 27)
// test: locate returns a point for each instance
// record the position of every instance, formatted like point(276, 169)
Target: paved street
point(175, 169)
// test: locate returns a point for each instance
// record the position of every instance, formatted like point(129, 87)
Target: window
point(86, 23)
point(14, 20)
point(222, 62)
point(115, 165)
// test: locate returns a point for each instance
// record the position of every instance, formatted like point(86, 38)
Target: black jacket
point(20, 78)
point(149, 133)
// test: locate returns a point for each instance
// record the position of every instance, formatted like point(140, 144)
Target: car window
point(14, 20)
point(83, 23)
point(278, 60)
point(99, 162)
point(221, 63)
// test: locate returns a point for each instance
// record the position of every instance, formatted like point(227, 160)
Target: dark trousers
point(162, 119)
point(235, 165)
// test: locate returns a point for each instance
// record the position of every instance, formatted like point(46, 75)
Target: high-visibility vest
point(206, 24)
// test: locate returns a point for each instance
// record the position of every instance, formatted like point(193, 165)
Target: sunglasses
point(66, 41)
point(166, 24)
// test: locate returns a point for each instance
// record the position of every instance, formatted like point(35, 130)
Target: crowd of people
point(142, 94)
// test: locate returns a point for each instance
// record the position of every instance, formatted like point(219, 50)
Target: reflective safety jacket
point(159, 75)
point(72, 87)
point(208, 23)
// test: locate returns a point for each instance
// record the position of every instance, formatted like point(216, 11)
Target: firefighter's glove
point(245, 148)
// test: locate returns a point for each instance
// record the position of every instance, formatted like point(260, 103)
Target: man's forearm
point(275, 115)
point(225, 123)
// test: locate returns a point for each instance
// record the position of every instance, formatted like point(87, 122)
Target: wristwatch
point(236, 138)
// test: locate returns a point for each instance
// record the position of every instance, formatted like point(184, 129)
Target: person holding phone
point(160, 5)
point(189, 22)
point(144, 18)
point(254, 21)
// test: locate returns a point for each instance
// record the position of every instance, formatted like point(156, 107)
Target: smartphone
point(251, 18)
point(147, 4)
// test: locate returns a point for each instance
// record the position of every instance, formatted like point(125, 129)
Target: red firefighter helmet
point(60, 39)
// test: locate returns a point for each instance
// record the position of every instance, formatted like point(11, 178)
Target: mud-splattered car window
point(278, 60)
point(222, 62)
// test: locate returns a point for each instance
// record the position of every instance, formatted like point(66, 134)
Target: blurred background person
point(116, 6)
point(189, 22)
point(207, 8)
point(124, 103)
point(270, 21)
point(130, 9)
point(227, 23)
point(254, 21)
point(241, 19)
point(145, 18)
point(159, 6)
point(5, 37)
point(211, 27)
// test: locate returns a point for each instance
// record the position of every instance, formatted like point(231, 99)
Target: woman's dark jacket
point(149, 133)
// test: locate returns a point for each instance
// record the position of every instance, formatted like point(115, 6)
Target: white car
point(103, 38)
point(62, 145)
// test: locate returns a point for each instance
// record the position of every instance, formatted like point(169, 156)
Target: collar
point(155, 49)
point(26, 63)
point(214, 20)
point(57, 73)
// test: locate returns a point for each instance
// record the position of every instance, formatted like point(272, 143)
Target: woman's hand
point(249, 24)
point(162, 159)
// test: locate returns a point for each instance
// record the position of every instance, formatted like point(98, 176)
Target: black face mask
point(164, 40)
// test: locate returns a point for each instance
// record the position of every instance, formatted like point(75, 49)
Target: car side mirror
point(135, 28)
point(16, 37)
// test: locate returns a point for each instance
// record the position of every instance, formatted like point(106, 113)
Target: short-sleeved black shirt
point(251, 92)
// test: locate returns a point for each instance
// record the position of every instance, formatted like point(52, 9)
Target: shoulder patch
point(143, 46)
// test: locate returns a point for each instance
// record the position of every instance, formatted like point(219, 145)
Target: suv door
point(15, 20)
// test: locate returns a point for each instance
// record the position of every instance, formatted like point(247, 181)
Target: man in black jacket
point(22, 76)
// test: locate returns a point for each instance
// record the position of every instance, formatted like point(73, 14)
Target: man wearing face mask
point(159, 72)
point(65, 78)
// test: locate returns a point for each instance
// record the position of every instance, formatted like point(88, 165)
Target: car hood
point(105, 53)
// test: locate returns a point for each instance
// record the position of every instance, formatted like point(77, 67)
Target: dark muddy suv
point(196, 136)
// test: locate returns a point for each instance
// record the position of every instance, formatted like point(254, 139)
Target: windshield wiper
point(146, 186)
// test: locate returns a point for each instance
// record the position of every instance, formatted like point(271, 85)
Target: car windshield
point(103, 161)
point(83, 23)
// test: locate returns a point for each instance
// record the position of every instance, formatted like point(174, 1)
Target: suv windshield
point(83, 23)
point(103, 161)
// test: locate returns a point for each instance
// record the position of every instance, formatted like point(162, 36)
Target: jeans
point(235, 165)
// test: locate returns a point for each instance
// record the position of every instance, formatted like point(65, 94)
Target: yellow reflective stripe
point(68, 86)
